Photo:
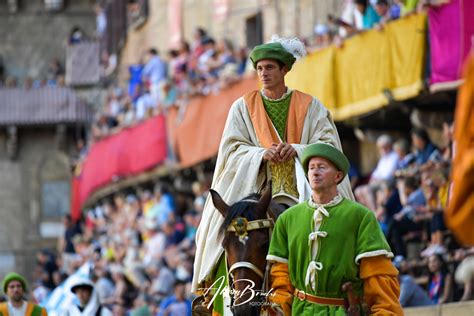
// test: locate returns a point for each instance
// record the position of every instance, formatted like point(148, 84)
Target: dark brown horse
point(247, 227)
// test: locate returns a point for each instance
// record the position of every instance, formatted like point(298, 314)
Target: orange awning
point(196, 136)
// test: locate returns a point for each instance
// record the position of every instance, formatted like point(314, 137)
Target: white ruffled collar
point(335, 200)
point(287, 93)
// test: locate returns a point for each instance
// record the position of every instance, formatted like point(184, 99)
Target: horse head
point(247, 229)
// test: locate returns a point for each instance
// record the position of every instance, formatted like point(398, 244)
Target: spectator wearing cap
point(312, 237)
point(89, 304)
point(14, 286)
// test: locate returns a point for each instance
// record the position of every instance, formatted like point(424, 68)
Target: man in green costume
point(264, 138)
point(326, 241)
point(14, 286)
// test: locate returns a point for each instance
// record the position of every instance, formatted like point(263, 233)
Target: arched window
point(55, 188)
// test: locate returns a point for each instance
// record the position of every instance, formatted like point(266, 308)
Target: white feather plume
point(293, 45)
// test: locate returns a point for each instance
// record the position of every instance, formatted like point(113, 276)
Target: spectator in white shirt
point(384, 170)
point(154, 72)
point(100, 21)
point(145, 104)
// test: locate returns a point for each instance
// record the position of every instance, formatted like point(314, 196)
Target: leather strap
point(257, 224)
point(248, 265)
point(303, 296)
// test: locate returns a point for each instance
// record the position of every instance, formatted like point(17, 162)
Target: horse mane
point(243, 208)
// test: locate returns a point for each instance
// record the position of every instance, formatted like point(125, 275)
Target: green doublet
point(324, 246)
point(277, 111)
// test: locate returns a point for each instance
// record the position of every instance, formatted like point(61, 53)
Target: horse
point(247, 227)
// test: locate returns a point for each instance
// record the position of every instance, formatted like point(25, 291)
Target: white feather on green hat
point(285, 50)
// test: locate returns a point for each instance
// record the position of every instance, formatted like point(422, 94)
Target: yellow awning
point(351, 80)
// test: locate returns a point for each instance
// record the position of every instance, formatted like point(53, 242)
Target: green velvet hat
point(274, 51)
point(12, 276)
point(325, 151)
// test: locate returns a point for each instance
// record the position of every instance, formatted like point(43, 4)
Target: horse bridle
point(241, 226)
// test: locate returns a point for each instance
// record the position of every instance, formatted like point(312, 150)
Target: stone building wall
point(286, 18)
point(30, 38)
point(25, 226)
point(33, 36)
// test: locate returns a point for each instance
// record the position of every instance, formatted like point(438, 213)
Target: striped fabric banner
point(61, 297)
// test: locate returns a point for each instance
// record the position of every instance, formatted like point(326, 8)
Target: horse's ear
point(266, 198)
point(219, 203)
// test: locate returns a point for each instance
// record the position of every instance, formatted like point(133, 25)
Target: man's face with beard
point(15, 291)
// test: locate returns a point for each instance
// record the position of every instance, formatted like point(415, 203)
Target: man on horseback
point(328, 243)
point(264, 138)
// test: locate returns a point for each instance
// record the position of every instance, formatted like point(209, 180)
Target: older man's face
point(270, 73)
point(15, 291)
point(322, 174)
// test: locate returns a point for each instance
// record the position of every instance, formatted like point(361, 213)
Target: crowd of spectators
point(409, 191)
point(159, 81)
point(140, 246)
point(53, 76)
point(360, 15)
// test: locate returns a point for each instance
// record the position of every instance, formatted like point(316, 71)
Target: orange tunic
point(460, 212)
point(29, 310)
